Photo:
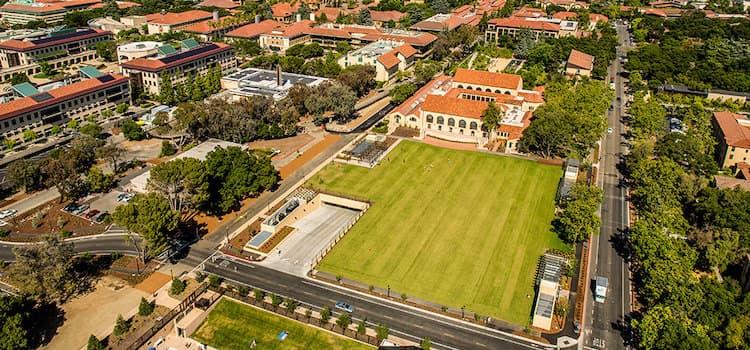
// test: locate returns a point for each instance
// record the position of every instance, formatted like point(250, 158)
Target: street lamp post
point(463, 308)
point(389, 290)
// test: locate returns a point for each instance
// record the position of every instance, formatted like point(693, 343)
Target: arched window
point(451, 122)
point(460, 86)
point(498, 91)
point(488, 90)
point(412, 119)
point(462, 123)
point(440, 120)
point(429, 118)
point(473, 126)
point(507, 92)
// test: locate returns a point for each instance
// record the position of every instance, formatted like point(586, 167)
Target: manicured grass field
point(232, 325)
point(453, 227)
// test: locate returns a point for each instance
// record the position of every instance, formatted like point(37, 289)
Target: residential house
point(732, 132)
point(284, 12)
point(579, 64)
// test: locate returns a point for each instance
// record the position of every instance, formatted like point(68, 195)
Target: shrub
point(242, 290)
point(404, 296)
point(9, 143)
point(65, 234)
point(308, 313)
point(362, 326)
point(145, 308)
point(371, 288)
point(122, 108)
point(132, 131)
point(338, 278)
point(214, 280)
point(167, 149)
point(258, 294)
point(55, 130)
point(325, 314)
point(200, 277)
point(61, 222)
point(177, 287)
point(4, 233)
point(276, 300)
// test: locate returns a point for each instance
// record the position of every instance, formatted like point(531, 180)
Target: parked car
point(344, 306)
point(3, 223)
point(7, 213)
point(609, 130)
point(125, 197)
point(81, 209)
point(70, 207)
point(101, 217)
point(91, 214)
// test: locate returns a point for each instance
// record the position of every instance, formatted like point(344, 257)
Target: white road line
point(511, 338)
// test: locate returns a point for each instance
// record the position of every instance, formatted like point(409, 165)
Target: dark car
point(70, 207)
point(101, 217)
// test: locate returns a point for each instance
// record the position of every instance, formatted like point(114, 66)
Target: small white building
point(135, 50)
point(388, 57)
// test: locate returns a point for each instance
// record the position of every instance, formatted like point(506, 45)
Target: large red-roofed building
point(733, 137)
point(451, 108)
point(40, 111)
point(195, 61)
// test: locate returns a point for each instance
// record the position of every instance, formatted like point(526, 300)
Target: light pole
point(463, 308)
point(389, 290)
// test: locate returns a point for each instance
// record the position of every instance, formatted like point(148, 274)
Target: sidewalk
point(33, 201)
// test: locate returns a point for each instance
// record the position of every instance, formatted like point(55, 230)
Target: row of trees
point(216, 185)
point(579, 220)
point(570, 122)
point(689, 241)
point(194, 88)
point(72, 172)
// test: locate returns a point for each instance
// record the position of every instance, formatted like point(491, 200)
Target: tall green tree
point(364, 17)
point(45, 271)
point(183, 182)
point(166, 91)
point(25, 174)
point(491, 118)
point(149, 215)
point(14, 319)
point(579, 220)
point(234, 175)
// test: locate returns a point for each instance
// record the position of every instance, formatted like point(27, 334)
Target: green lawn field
point(232, 325)
point(453, 227)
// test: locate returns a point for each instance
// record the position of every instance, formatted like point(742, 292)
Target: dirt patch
point(288, 145)
point(450, 144)
point(405, 132)
point(311, 152)
point(84, 316)
point(151, 284)
point(49, 218)
point(210, 223)
point(12, 199)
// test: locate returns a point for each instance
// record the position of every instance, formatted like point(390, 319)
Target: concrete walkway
point(33, 201)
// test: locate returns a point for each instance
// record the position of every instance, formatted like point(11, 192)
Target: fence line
point(340, 235)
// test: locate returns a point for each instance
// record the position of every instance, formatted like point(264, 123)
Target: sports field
point(453, 227)
point(232, 325)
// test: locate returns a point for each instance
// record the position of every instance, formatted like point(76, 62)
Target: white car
point(7, 213)
point(3, 223)
point(609, 130)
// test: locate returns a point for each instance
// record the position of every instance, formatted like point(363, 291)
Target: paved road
point(99, 244)
point(402, 321)
point(604, 327)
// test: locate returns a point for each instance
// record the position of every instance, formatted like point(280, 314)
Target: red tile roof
point(422, 39)
point(518, 23)
point(26, 104)
point(735, 134)
point(172, 18)
point(499, 98)
point(595, 17)
point(253, 30)
point(564, 15)
point(454, 106)
point(580, 60)
point(531, 12)
point(414, 103)
point(156, 64)
point(225, 4)
point(499, 80)
point(204, 27)
point(284, 9)
point(406, 50)
point(51, 6)
point(21, 45)
point(331, 13)
point(389, 59)
point(295, 29)
point(532, 97)
point(385, 16)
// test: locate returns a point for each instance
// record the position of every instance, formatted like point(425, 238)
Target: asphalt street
point(605, 323)
point(99, 244)
point(402, 321)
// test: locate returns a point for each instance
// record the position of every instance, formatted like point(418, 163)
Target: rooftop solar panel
point(105, 78)
point(44, 96)
point(63, 36)
point(186, 54)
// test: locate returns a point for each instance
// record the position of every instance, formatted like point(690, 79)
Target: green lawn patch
point(232, 325)
point(453, 227)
